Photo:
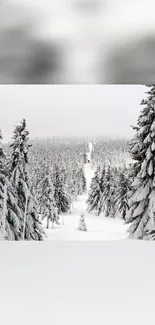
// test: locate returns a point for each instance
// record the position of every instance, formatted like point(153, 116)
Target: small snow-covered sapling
point(82, 223)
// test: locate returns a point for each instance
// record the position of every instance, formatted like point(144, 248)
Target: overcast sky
point(71, 110)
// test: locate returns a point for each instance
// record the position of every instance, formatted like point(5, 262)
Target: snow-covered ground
point(98, 228)
point(106, 282)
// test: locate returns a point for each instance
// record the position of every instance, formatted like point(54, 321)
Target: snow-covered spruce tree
point(114, 181)
point(31, 228)
point(95, 193)
point(106, 196)
point(82, 223)
point(72, 188)
point(39, 186)
point(61, 198)
point(121, 195)
point(85, 158)
point(109, 187)
point(101, 176)
point(141, 212)
point(49, 209)
point(102, 172)
point(2, 184)
point(81, 182)
point(10, 214)
point(41, 190)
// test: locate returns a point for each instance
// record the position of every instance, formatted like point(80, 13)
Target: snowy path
point(98, 228)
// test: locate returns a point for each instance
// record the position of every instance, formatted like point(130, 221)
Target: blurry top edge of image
point(77, 42)
point(88, 5)
point(26, 57)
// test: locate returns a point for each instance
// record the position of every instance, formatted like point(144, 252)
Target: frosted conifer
point(82, 223)
point(60, 195)
point(19, 177)
point(141, 213)
point(95, 193)
point(122, 193)
point(10, 213)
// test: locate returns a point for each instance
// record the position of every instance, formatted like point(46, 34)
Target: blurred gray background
point(77, 41)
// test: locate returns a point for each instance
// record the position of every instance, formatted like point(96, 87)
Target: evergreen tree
point(102, 173)
point(13, 214)
point(61, 198)
point(49, 209)
point(2, 184)
point(82, 223)
point(132, 172)
point(10, 216)
point(114, 181)
point(95, 193)
point(42, 190)
point(81, 181)
point(85, 158)
point(141, 213)
point(30, 225)
point(40, 185)
point(106, 196)
point(97, 188)
point(72, 187)
point(109, 186)
point(121, 197)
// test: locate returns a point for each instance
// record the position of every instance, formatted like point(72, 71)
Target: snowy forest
point(79, 188)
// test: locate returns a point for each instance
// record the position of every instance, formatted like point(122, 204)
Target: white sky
point(71, 110)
